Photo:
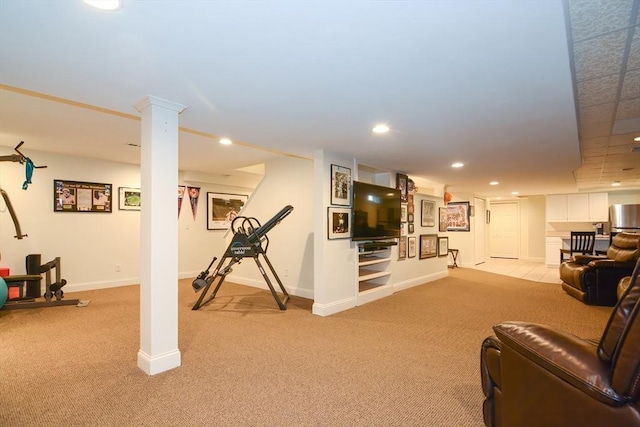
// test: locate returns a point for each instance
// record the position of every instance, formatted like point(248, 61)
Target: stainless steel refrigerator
point(624, 218)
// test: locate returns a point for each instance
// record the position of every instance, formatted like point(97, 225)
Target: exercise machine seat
point(534, 375)
point(593, 279)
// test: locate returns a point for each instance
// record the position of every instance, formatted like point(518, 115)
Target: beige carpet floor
point(411, 359)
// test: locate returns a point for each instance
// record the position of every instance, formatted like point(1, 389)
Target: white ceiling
point(487, 83)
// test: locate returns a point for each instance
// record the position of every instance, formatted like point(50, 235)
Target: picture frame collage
point(339, 213)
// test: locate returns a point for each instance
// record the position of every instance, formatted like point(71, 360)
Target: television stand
point(376, 245)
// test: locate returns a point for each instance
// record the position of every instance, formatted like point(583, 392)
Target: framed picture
point(403, 212)
point(410, 218)
point(428, 245)
point(428, 213)
point(403, 228)
point(338, 223)
point(443, 246)
point(410, 204)
point(411, 247)
point(402, 248)
point(78, 196)
point(222, 209)
point(488, 216)
point(340, 185)
point(442, 214)
point(402, 184)
point(458, 216)
point(128, 199)
point(410, 228)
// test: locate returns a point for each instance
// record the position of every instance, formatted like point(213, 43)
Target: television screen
point(376, 212)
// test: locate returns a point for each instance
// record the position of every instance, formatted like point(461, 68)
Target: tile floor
point(536, 271)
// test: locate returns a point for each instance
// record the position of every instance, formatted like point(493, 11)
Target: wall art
point(340, 185)
point(338, 223)
point(78, 196)
point(128, 199)
point(223, 208)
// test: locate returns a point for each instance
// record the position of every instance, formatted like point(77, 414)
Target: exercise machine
point(30, 285)
point(249, 240)
point(29, 167)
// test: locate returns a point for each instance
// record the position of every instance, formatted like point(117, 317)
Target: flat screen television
point(375, 213)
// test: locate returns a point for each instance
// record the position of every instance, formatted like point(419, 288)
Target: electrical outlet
point(286, 272)
point(117, 267)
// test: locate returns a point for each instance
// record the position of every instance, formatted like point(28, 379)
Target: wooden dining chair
point(582, 242)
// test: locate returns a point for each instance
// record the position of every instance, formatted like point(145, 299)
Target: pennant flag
point(181, 189)
point(194, 195)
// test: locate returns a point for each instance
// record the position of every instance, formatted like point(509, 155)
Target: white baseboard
point(416, 281)
point(333, 308)
point(156, 364)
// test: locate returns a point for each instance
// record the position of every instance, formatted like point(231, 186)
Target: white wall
point(287, 181)
point(92, 244)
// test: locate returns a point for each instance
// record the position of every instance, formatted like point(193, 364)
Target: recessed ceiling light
point(381, 128)
point(225, 141)
point(494, 183)
point(457, 165)
point(515, 193)
point(616, 184)
point(637, 139)
point(103, 4)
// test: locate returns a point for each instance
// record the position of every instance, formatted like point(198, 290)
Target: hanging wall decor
point(340, 185)
point(78, 196)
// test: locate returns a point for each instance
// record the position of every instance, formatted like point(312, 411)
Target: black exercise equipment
point(32, 282)
point(248, 239)
point(29, 167)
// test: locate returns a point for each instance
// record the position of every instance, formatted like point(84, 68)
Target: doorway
point(504, 237)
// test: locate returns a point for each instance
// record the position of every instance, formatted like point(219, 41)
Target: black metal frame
point(247, 241)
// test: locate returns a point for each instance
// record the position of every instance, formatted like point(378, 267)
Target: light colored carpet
point(411, 359)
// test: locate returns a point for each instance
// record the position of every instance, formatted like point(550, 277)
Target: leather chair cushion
point(623, 285)
point(624, 247)
point(617, 321)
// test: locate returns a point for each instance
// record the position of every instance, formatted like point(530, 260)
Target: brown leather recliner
point(593, 280)
point(534, 375)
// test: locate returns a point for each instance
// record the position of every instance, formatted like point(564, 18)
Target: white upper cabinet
point(584, 207)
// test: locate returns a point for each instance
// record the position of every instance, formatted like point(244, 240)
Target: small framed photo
point(340, 186)
point(428, 245)
point(410, 218)
point(442, 213)
point(403, 212)
point(411, 247)
point(402, 184)
point(411, 228)
point(458, 216)
point(128, 199)
point(402, 248)
point(428, 213)
point(222, 209)
point(443, 246)
point(338, 223)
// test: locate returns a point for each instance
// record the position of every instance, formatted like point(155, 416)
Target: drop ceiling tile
point(597, 113)
point(598, 91)
point(590, 152)
point(631, 85)
point(628, 109)
point(622, 139)
point(593, 130)
point(600, 56)
point(594, 142)
point(633, 63)
point(618, 149)
point(593, 17)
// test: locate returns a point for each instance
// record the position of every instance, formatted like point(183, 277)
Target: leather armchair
point(535, 375)
point(594, 280)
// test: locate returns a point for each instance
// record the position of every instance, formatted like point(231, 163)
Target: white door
point(479, 228)
point(503, 240)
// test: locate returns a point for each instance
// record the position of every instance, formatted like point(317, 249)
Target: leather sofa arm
point(585, 259)
point(610, 263)
point(566, 356)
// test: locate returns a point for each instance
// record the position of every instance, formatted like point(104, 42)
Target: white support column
point(159, 236)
